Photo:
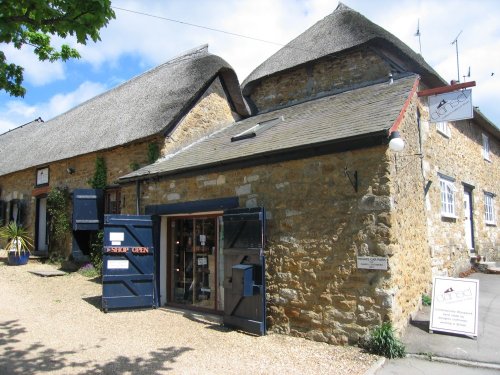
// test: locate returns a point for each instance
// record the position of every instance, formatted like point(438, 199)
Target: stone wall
point(212, 112)
point(410, 262)
point(317, 225)
point(119, 161)
point(330, 74)
point(459, 156)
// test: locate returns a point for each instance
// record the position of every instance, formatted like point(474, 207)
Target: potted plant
point(18, 243)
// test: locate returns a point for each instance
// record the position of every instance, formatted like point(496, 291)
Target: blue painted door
point(128, 262)
point(244, 270)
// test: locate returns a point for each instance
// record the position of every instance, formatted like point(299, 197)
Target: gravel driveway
point(54, 325)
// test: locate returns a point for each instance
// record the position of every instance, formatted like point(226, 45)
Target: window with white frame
point(486, 147)
point(443, 128)
point(489, 208)
point(447, 196)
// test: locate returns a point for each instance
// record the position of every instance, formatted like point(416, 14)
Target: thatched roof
point(334, 120)
point(342, 30)
point(148, 104)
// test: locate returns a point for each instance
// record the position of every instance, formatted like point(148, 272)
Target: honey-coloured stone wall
point(317, 224)
point(328, 75)
point(460, 157)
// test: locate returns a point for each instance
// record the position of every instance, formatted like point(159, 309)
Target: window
point(447, 196)
point(112, 201)
point(489, 208)
point(259, 128)
point(42, 176)
point(486, 147)
point(443, 128)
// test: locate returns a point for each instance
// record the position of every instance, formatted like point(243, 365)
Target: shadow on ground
point(38, 358)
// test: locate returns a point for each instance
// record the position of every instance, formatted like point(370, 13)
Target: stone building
point(309, 144)
point(126, 126)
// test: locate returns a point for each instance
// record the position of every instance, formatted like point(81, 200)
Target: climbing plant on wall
point(153, 152)
point(58, 202)
point(98, 181)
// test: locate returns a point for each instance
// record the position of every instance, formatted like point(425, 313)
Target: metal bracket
point(354, 179)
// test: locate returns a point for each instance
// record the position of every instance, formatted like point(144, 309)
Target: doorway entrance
point(468, 223)
point(192, 262)
point(41, 227)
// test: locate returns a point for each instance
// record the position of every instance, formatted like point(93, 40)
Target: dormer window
point(257, 129)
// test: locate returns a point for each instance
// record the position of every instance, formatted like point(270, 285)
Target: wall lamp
point(396, 143)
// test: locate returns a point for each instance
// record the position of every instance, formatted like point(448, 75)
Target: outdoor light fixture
point(396, 143)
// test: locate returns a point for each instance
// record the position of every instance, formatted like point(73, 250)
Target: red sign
point(122, 250)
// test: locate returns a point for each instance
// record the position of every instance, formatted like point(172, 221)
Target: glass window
point(489, 208)
point(447, 197)
point(112, 201)
point(443, 128)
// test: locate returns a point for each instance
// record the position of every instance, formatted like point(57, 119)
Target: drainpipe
point(137, 197)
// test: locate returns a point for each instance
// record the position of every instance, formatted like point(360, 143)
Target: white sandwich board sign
point(454, 306)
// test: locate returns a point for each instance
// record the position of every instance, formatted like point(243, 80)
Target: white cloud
point(37, 73)
point(16, 112)
point(152, 41)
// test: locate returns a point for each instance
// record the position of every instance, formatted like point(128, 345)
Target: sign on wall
point(455, 305)
point(372, 263)
point(452, 106)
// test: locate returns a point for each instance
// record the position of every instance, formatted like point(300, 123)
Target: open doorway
point(192, 266)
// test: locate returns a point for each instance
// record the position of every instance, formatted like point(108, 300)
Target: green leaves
point(32, 22)
point(18, 238)
point(383, 342)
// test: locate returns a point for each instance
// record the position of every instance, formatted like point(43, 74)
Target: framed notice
point(372, 263)
point(454, 306)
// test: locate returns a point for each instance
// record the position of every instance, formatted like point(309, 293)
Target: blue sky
point(132, 44)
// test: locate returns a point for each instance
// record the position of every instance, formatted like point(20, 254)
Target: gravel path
point(54, 325)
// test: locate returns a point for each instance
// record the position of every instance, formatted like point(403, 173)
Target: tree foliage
point(33, 22)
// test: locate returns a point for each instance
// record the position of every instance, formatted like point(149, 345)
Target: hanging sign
point(454, 306)
point(451, 106)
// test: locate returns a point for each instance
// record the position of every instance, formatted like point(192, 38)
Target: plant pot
point(18, 259)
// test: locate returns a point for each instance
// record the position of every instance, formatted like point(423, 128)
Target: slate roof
point(144, 106)
point(365, 111)
point(337, 32)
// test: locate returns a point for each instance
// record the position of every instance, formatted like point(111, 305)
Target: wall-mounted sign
point(42, 176)
point(372, 263)
point(452, 106)
point(118, 264)
point(454, 305)
point(125, 249)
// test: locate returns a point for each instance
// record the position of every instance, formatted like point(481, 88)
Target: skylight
point(257, 129)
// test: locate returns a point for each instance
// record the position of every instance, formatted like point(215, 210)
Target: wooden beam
point(395, 126)
point(445, 89)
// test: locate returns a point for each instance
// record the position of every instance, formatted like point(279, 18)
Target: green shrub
point(96, 251)
point(98, 181)
point(383, 342)
point(426, 300)
point(58, 203)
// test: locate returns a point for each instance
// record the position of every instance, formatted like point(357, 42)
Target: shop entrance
point(192, 265)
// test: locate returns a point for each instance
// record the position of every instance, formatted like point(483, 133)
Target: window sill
point(448, 216)
point(444, 134)
point(487, 159)
point(490, 223)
